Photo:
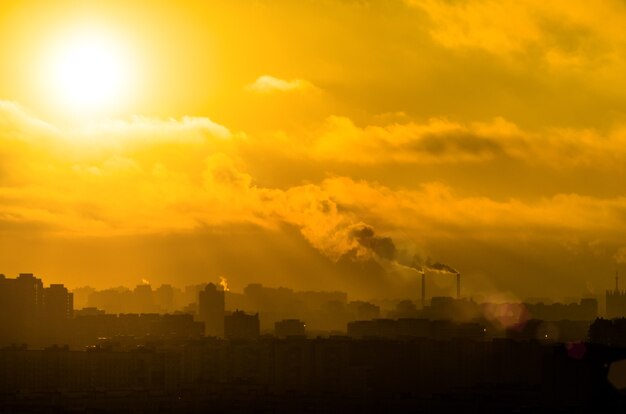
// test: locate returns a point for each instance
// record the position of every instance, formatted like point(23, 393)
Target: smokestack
point(423, 290)
point(458, 286)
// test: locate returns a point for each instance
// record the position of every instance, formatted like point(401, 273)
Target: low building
point(289, 327)
point(240, 325)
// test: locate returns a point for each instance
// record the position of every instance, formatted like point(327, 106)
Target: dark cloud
point(383, 247)
point(442, 144)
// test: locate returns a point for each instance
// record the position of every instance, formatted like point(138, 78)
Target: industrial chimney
point(458, 286)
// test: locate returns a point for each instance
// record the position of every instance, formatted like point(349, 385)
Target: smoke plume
point(438, 267)
point(365, 236)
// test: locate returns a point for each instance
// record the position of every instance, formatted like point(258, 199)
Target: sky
point(319, 145)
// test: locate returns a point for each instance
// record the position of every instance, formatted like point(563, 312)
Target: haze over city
point(312, 206)
point(172, 144)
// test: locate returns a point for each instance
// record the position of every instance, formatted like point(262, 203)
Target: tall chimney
point(423, 290)
point(458, 286)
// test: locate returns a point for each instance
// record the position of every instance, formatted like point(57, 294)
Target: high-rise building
point(58, 309)
point(58, 303)
point(164, 298)
point(21, 308)
point(211, 310)
point(143, 299)
point(29, 294)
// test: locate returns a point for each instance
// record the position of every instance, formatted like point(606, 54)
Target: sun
point(88, 74)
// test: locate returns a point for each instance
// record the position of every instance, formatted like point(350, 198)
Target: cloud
point(482, 24)
point(564, 34)
point(440, 141)
point(269, 84)
point(436, 209)
point(150, 176)
point(143, 175)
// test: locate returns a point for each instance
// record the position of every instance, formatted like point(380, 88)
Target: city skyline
point(41, 315)
point(204, 300)
point(323, 146)
point(302, 206)
point(279, 348)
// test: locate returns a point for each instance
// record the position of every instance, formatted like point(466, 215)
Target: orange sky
point(261, 139)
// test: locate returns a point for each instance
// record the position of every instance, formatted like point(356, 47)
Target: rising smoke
point(438, 267)
point(365, 236)
point(384, 248)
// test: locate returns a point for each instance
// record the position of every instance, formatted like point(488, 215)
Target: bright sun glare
point(90, 74)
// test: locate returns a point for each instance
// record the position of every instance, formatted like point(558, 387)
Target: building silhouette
point(53, 359)
point(21, 308)
point(211, 307)
point(130, 329)
point(164, 298)
point(58, 303)
point(329, 375)
point(289, 327)
point(143, 299)
point(58, 310)
point(240, 325)
point(363, 310)
point(616, 301)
